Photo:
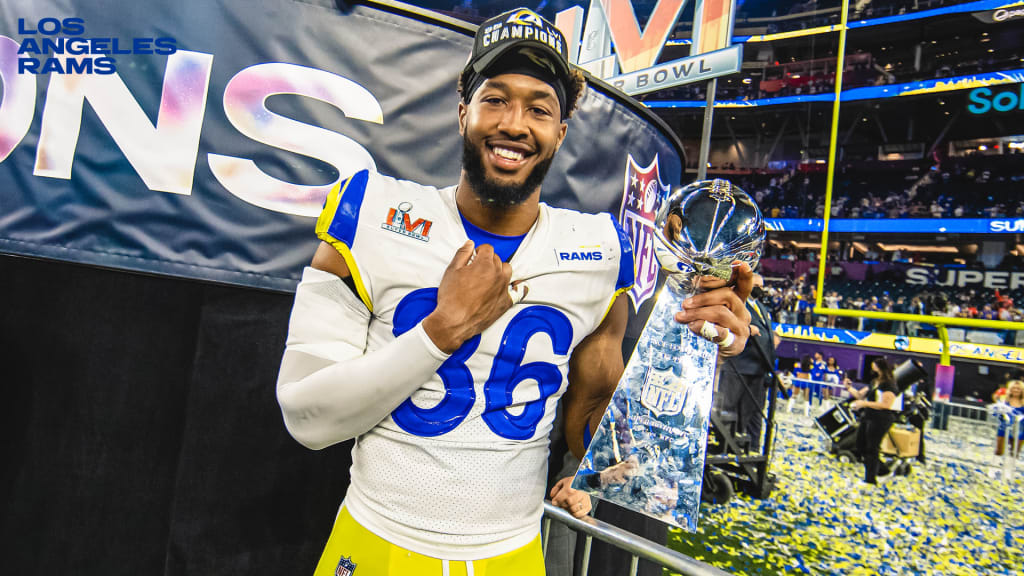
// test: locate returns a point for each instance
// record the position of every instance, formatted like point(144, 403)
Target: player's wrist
point(444, 333)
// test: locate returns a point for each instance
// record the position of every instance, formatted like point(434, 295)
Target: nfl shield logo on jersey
point(663, 392)
point(641, 195)
point(346, 567)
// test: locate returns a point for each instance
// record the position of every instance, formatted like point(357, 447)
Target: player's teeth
point(509, 154)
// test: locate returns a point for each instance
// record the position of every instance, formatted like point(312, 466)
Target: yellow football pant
point(374, 556)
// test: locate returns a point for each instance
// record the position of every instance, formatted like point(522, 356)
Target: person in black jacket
point(880, 402)
point(746, 377)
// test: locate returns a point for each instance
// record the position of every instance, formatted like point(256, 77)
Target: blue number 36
point(507, 372)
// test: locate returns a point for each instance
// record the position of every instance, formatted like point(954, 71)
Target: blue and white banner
point(199, 139)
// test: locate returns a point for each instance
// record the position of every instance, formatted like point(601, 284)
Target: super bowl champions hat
point(518, 41)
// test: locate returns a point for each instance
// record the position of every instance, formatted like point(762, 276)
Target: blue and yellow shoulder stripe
point(339, 221)
point(624, 281)
point(626, 271)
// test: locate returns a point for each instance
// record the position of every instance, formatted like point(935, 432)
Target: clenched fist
point(474, 292)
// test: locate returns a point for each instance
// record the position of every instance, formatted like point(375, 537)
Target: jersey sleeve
point(626, 271)
point(339, 222)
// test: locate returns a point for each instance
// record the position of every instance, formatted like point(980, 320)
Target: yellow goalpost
point(940, 322)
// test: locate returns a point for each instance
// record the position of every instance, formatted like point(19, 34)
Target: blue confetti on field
point(957, 515)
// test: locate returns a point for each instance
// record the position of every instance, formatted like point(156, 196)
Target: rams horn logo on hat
point(525, 16)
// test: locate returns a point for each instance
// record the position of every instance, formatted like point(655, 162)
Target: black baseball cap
point(519, 41)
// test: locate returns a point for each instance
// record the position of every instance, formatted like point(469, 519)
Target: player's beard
point(497, 194)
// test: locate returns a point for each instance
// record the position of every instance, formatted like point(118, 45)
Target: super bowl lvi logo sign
point(631, 65)
point(641, 194)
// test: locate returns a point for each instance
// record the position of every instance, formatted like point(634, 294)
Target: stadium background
point(926, 216)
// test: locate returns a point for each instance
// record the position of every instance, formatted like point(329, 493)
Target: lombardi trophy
point(648, 452)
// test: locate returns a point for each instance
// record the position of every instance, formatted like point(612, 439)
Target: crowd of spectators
point(805, 77)
point(774, 81)
point(801, 15)
point(880, 8)
point(792, 301)
point(985, 187)
point(793, 68)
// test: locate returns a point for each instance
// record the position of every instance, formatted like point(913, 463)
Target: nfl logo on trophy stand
point(648, 452)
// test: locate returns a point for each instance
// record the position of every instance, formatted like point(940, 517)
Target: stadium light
point(915, 248)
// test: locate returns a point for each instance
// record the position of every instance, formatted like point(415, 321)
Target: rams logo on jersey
point(398, 221)
point(579, 255)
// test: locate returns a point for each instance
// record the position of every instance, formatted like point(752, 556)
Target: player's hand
point(621, 472)
point(575, 502)
point(719, 313)
point(474, 292)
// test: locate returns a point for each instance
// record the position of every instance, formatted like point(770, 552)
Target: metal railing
point(971, 428)
point(969, 434)
point(637, 546)
point(815, 391)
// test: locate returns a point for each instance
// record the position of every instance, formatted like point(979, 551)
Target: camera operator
point(880, 402)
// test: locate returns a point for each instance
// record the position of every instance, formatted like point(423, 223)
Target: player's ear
point(562, 129)
point(462, 118)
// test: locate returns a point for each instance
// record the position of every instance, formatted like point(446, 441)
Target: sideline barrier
point(1011, 449)
point(815, 390)
point(637, 546)
point(953, 416)
point(973, 430)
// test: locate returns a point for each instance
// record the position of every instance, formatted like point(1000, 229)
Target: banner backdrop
point(142, 434)
point(201, 137)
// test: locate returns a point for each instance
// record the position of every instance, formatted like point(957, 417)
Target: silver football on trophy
point(702, 228)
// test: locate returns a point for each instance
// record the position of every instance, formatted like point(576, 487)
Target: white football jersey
point(458, 470)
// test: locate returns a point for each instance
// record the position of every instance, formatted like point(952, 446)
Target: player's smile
point(508, 155)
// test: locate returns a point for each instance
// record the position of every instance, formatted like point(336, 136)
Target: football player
point(441, 327)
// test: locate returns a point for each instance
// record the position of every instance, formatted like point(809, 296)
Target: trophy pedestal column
point(648, 452)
